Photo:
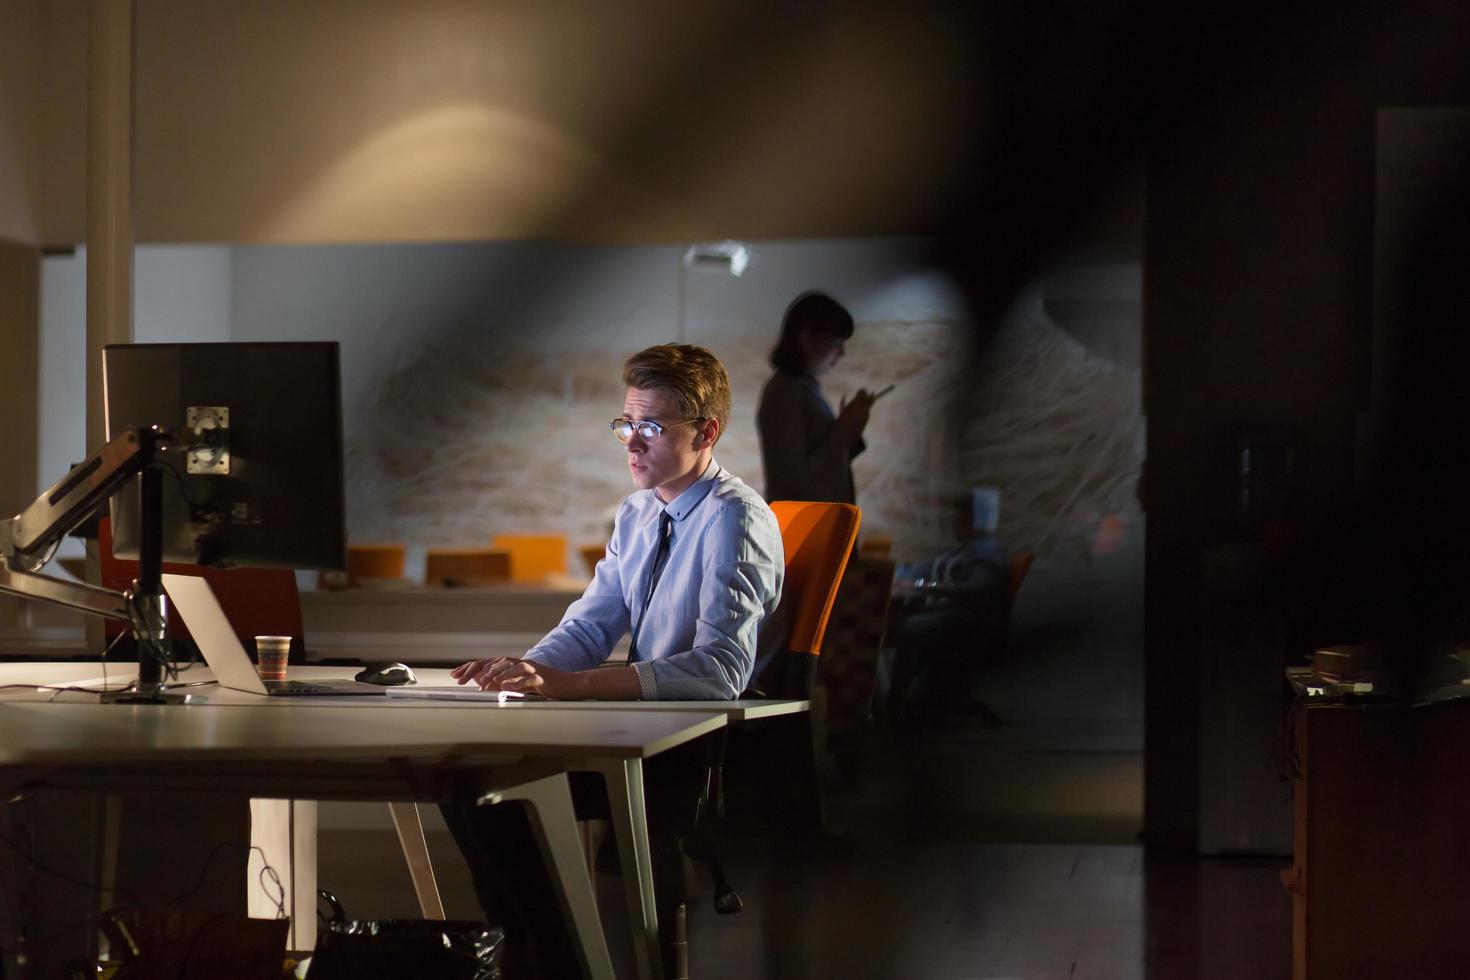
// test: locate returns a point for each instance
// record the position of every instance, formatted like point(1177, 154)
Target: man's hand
point(468, 673)
point(525, 676)
point(530, 677)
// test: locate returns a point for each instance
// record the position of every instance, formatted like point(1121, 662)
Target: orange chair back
point(533, 557)
point(375, 561)
point(257, 601)
point(465, 566)
point(818, 538)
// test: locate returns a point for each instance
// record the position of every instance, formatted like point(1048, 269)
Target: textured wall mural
point(471, 440)
point(474, 440)
point(1059, 430)
point(479, 379)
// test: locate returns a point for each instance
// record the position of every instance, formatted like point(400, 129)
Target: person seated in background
point(950, 612)
point(693, 568)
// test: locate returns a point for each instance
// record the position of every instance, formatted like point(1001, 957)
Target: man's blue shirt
point(721, 579)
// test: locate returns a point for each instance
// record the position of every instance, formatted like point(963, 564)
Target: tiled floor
point(939, 910)
point(945, 910)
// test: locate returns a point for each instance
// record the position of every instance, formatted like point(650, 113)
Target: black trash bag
point(404, 949)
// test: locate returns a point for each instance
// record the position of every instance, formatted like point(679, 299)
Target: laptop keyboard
point(305, 688)
point(296, 687)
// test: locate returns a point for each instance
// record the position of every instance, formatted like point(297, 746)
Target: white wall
point(181, 293)
point(63, 392)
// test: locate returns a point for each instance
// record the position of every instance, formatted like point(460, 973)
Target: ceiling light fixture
point(731, 257)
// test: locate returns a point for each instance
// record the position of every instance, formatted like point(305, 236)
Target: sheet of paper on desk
point(465, 693)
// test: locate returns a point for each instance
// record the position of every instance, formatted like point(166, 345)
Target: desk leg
point(555, 824)
point(416, 853)
point(284, 831)
point(630, 823)
point(111, 835)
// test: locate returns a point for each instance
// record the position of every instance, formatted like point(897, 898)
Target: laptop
point(221, 649)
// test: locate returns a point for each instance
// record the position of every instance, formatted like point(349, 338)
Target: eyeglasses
point(647, 430)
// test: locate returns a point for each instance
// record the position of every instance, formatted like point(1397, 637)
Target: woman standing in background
point(806, 449)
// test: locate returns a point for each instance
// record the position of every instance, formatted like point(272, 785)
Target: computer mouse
point(386, 675)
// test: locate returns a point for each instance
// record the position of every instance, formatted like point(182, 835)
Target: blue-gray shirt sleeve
point(593, 624)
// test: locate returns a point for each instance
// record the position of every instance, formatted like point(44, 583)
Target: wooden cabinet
point(1381, 870)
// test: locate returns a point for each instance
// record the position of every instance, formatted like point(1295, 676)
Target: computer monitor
point(268, 491)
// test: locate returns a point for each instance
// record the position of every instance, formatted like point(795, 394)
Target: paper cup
point(270, 657)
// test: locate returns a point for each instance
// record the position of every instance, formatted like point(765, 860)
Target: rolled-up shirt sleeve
point(740, 584)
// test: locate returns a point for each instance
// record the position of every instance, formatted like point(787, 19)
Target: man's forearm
point(605, 684)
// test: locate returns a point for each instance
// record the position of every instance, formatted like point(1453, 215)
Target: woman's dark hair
point(816, 312)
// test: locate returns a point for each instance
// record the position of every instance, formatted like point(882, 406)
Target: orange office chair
point(375, 561)
point(774, 762)
point(818, 539)
point(451, 567)
point(533, 557)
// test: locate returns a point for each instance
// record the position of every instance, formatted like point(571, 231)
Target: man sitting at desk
point(693, 568)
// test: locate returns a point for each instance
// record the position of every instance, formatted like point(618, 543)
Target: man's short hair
point(693, 375)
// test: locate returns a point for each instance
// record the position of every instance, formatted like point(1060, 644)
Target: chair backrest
point(818, 538)
point(466, 566)
point(257, 601)
point(853, 641)
point(381, 561)
point(533, 557)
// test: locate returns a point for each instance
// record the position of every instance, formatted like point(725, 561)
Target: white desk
point(623, 774)
point(624, 778)
point(420, 755)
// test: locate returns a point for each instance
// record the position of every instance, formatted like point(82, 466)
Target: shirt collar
point(680, 506)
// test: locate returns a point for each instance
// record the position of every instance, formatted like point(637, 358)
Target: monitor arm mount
point(28, 540)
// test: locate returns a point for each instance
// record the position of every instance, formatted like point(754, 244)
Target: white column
point(109, 212)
